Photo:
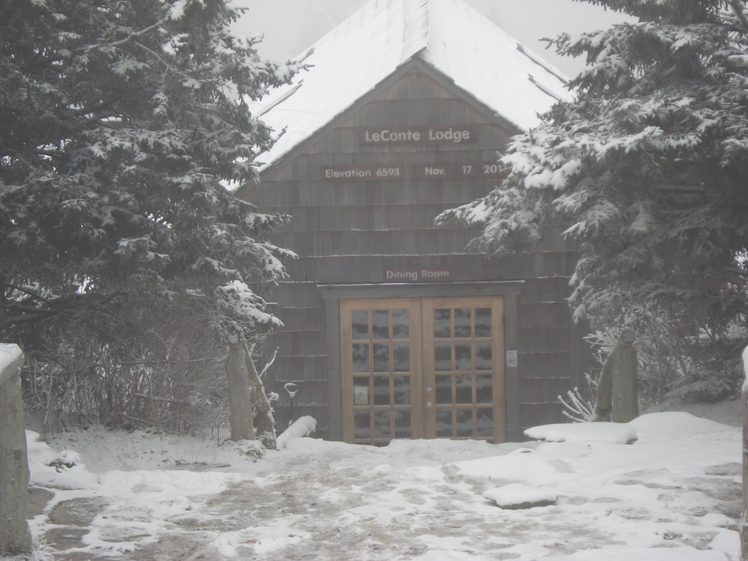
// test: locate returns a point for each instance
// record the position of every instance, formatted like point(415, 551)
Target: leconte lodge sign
point(466, 134)
point(425, 135)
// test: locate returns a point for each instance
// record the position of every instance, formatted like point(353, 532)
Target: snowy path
point(673, 494)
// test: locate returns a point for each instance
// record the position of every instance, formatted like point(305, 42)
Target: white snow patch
point(275, 537)
point(9, 353)
point(69, 458)
point(303, 426)
point(262, 540)
point(177, 10)
point(516, 494)
point(47, 466)
point(674, 424)
point(521, 465)
point(614, 433)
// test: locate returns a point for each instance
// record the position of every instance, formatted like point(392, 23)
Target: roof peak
point(416, 28)
point(448, 35)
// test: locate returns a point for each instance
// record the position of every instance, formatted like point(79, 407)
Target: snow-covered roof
point(369, 46)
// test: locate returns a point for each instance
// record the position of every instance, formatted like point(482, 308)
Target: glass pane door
point(463, 368)
point(381, 365)
point(415, 368)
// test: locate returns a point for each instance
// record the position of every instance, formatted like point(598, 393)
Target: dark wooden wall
point(353, 231)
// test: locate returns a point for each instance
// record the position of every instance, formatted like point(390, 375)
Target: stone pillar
point(617, 389)
point(15, 537)
point(743, 521)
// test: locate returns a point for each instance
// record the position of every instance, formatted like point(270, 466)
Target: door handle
point(429, 405)
point(429, 391)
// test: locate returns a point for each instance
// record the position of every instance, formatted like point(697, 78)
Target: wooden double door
point(422, 368)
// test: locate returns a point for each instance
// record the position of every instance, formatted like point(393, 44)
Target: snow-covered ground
point(673, 494)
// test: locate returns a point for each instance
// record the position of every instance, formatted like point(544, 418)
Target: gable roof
point(374, 42)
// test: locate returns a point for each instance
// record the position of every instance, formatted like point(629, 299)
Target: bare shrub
point(676, 360)
point(169, 376)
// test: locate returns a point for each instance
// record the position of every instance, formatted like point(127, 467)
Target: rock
point(38, 500)
point(64, 538)
point(77, 512)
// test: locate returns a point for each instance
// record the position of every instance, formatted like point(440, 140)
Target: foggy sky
point(289, 27)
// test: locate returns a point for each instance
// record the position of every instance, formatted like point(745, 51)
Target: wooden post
point(246, 393)
point(240, 394)
point(15, 537)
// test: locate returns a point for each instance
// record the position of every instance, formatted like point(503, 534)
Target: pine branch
point(31, 318)
point(34, 295)
point(162, 61)
point(737, 7)
point(25, 314)
point(123, 41)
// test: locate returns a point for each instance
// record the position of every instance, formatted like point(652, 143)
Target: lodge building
point(393, 328)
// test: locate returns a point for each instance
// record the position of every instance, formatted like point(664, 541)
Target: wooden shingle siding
point(300, 343)
point(544, 339)
point(548, 314)
point(297, 294)
point(353, 231)
point(301, 318)
point(304, 368)
point(543, 390)
point(545, 364)
point(534, 414)
point(546, 289)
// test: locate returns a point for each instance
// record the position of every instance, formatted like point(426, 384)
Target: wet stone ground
point(324, 514)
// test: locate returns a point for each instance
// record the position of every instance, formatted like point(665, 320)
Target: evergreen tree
point(122, 120)
point(648, 167)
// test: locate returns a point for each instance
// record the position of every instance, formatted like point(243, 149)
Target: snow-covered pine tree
point(122, 120)
point(648, 167)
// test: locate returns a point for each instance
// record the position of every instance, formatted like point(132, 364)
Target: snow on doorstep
point(613, 433)
point(352, 59)
point(303, 426)
point(517, 495)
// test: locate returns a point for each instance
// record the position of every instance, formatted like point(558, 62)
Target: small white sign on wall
point(512, 359)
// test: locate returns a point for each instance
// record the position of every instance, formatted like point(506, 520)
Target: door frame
point(430, 373)
point(332, 294)
point(415, 360)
